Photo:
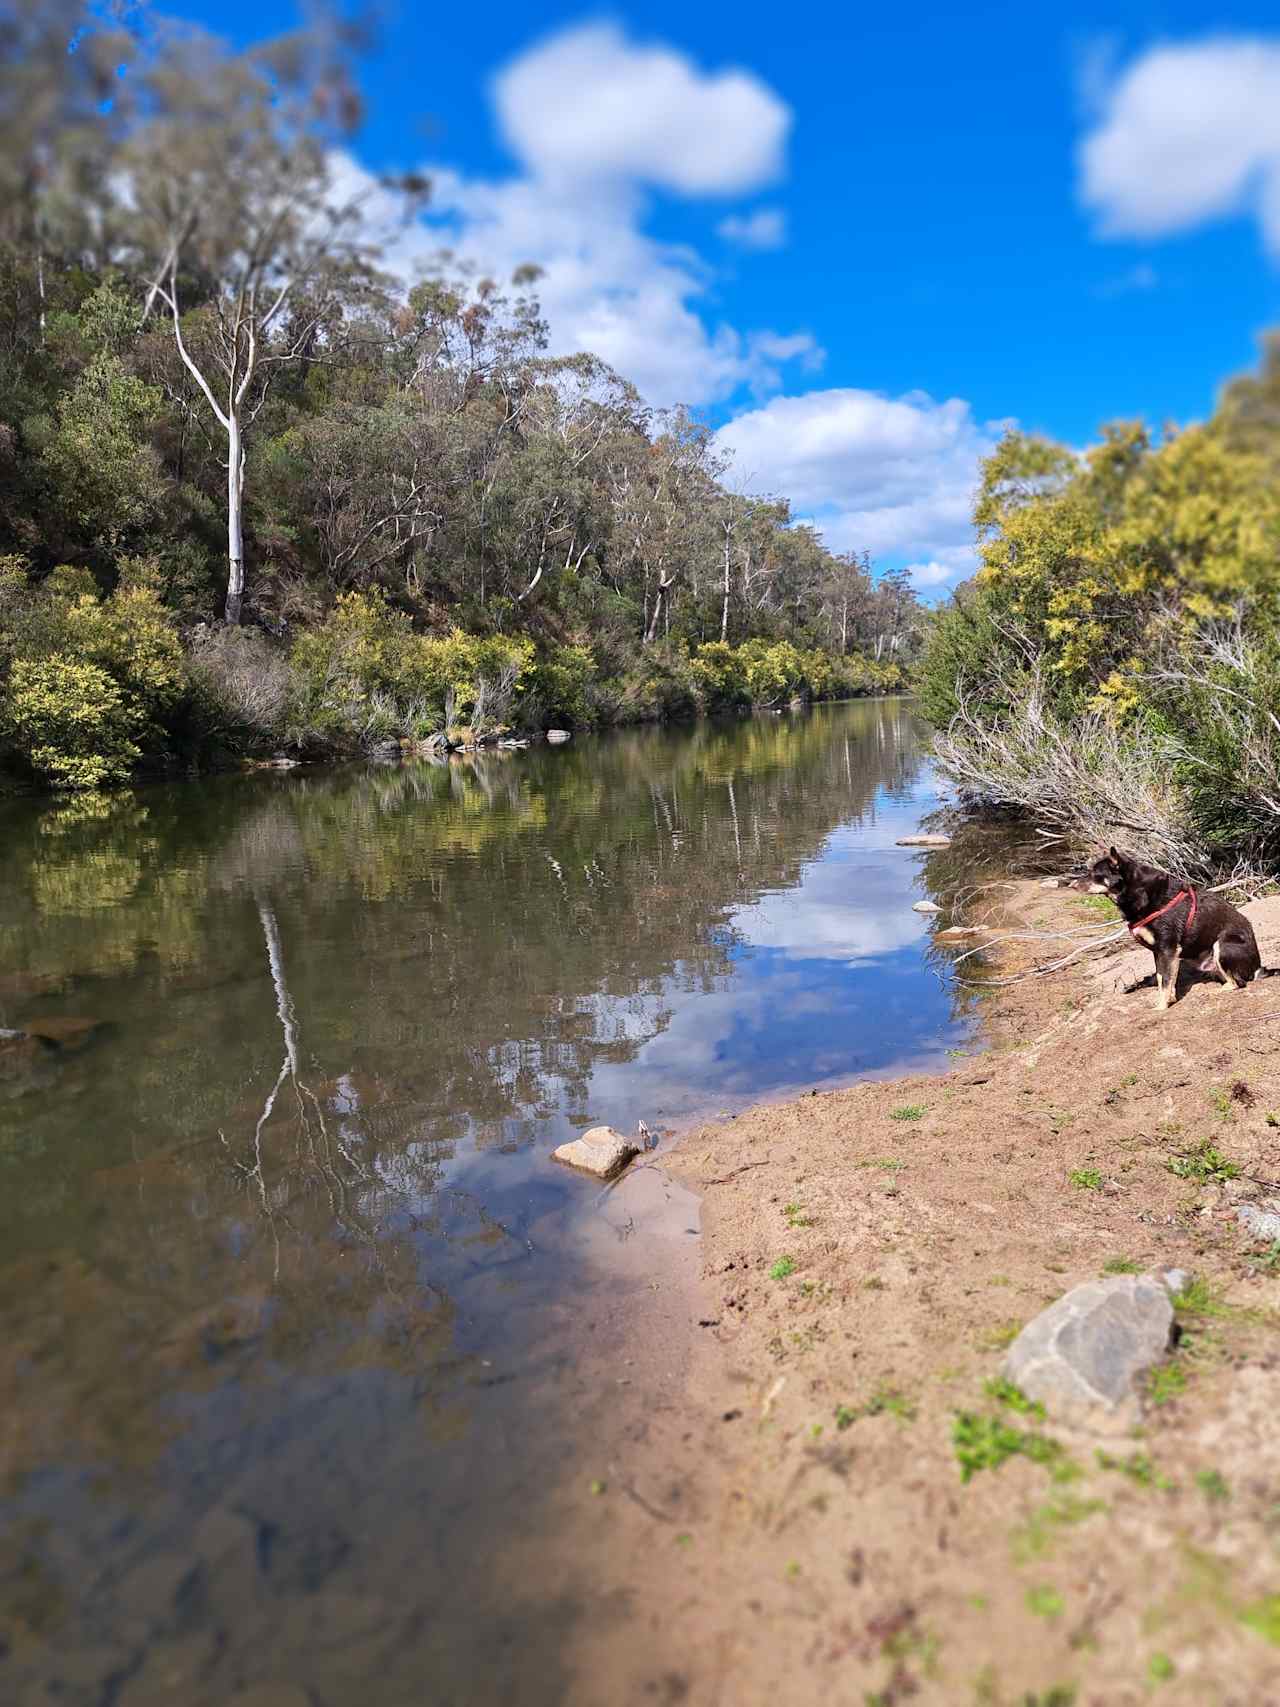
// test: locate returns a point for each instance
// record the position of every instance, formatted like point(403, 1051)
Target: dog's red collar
point(1182, 895)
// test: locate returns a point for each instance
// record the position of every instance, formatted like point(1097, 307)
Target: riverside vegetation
point(258, 493)
point(1113, 669)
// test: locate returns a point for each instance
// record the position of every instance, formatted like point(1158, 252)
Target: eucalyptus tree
point(238, 223)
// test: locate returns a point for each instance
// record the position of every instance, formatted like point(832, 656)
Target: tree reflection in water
point(284, 1264)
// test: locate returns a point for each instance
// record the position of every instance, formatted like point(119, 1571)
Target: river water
point(289, 1287)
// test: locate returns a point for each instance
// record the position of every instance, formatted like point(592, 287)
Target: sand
point(775, 1511)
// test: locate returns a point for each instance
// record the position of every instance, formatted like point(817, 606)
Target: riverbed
point(301, 1326)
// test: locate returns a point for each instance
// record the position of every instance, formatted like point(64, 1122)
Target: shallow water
point(292, 1299)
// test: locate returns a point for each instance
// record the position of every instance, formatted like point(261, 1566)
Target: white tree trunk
point(235, 530)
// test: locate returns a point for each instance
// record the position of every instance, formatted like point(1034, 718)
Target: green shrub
point(366, 672)
point(91, 681)
point(559, 687)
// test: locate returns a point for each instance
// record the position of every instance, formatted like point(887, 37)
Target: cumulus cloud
point(891, 475)
point(589, 104)
point(1187, 134)
point(596, 122)
point(765, 228)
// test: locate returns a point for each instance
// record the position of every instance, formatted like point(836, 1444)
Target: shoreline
point(866, 1256)
point(435, 750)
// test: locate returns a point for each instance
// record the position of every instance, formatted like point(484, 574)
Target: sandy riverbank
point(791, 1526)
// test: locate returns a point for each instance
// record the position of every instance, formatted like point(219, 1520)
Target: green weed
point(782, 1268)
point(1045, 1602)
point(1102, 905)
point(1138, 1468)
point(1264, 1617)
point(1198, 1298)
point(1085, 1179)
point(1166, 1382)
point(1160, 1668)
point(1204, 1163)
point(999, 1338)
point(1213, 1484)
point(1220, 1102)
point(985, 1443)
point(1008, 1393)
point(908, 1111)
point(1121, 1265)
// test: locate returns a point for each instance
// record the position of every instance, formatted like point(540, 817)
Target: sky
point(859, 240)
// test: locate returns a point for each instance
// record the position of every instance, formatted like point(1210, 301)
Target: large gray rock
point(1085, 1352)
point(929, 907)
point(602, 1152)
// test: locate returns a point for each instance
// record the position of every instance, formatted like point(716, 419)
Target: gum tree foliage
point(210, 394)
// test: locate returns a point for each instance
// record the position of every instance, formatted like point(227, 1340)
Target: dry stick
point(1042, 971)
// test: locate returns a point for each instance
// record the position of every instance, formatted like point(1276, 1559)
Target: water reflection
point(284, 1264)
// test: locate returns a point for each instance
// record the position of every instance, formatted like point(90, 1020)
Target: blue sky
point(859, 238)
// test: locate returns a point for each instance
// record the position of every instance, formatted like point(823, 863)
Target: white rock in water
point(602, 1152)
point(923, 842)
point(1086, 1352)
point(557, 737)
point(925, 907)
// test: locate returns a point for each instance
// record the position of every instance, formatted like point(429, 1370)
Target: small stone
point(602, 1152)
point(1086, 1351)
point(64, 1031)
point(925, 907)
point(557, 737)
point(1174, 1280)
point(923, 842)
point(1262, 1223)
point(1053, 882)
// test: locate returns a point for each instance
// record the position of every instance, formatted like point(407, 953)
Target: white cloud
point(931, 575)
point(589, 104)
point(765, 228)
point(1185, 135)
point(595, 121)
point(891, 475)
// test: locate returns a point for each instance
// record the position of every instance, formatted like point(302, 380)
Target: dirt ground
point(781, 1514)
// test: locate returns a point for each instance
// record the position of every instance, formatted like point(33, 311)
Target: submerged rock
point(64, 1031)
point(1087, 1350)
point(923, 842)
point(557, 736)
point(925, 907)
point(601, 1151)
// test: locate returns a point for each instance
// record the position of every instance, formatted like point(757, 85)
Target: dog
point(1177, 922)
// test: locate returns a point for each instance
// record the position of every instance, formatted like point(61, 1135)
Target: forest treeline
point(1113, 668)
point(256, 492)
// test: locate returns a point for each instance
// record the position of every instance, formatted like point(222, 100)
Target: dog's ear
point(1115, 856)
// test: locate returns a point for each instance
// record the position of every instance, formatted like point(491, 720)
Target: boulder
point(602, 1152)
point(1085, 1353)
point(925, 907)
point(923, 842)
point(557, 737)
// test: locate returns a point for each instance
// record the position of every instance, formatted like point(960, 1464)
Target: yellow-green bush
point(560, 685)
point(90, 680)
point(73, 721)
point(365, 671)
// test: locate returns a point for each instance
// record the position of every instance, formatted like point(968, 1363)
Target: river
point(291, 1295)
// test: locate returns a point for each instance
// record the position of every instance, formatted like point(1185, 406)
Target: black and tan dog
point(1177, 922)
